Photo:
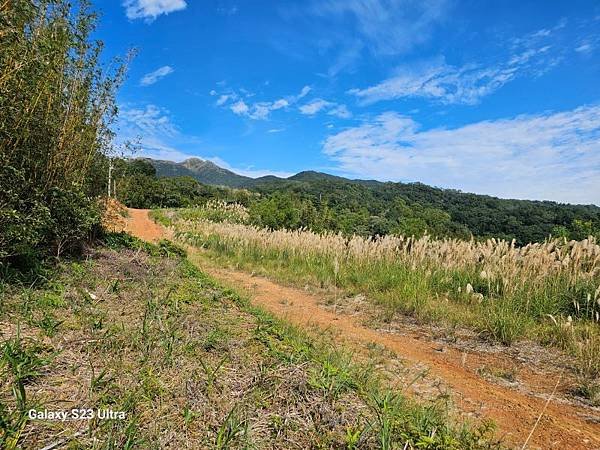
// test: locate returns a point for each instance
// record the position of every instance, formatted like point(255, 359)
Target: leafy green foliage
point(164, 247)
point(369, 208)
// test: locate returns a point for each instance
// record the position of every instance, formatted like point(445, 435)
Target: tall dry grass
point(548, 291)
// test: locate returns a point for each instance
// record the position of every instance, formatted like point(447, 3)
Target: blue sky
point(500, 98)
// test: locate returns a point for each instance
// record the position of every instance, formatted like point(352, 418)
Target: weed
point(211, 373)
point(504, 324)
point(49, 324)
point(24, 363)
point(157, 354)
point(233, 428)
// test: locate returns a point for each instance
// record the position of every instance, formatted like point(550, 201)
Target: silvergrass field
point(546, 292)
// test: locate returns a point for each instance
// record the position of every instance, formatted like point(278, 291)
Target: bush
point(74, 218)
point(23, 216)
point(117, 241)
point(34, 226)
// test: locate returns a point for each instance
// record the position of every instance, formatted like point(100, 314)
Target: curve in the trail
point(562, 426)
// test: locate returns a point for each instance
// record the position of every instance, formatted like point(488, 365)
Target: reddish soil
point(139, 224)
point(563, 424)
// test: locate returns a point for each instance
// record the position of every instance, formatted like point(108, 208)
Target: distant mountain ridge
point(210, 173)
point(207, 172)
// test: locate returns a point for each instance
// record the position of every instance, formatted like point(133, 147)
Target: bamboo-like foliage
point(56, 106)
point(55, 100)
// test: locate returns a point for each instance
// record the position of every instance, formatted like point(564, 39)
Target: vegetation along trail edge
point(514, 412)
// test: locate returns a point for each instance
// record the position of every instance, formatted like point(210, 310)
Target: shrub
point(74, 217)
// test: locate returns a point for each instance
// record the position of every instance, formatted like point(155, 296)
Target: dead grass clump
point(114, 214)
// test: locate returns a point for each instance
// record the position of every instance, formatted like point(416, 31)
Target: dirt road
point(563, 424)
point(139, 224)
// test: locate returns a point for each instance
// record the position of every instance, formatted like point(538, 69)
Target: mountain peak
point(204, 171)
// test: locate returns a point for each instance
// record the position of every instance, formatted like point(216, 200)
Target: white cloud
point(151, 9)
point(281, 103)
point(223, 98)
point(585, 48)
point(151, 148)
point(303, 93)
point(258, 110)
point(314, 106)
point(158, 138)
point(239, 108)
point(333, 109)
point(275, 130)
point(149, 121)
point(248, 171)
point(340, 111)
point(151, 129)
point(553, 156)
point(439, 81)
point(153, 77)
point(531, 54)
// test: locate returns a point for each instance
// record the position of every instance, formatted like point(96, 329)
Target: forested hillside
point(203, 171)
point(325, 202)
point(137, 186)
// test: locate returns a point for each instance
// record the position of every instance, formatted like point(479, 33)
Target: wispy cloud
point(314, 106)
point(531, 55)
point(223, 98)
point(585, 48)
point(240, 108)
point(340, 111)
point(388, 27)
point(151, 9)
point(333, 109)
point(552, 156)
point(153, 77)
point(157, 137)
point(228, 10)
point(248, 171)
point(256, 110)
point(148, 120)
point(303, 93)
point(152, 129)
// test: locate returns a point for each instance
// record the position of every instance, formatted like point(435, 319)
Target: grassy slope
point(192, 364)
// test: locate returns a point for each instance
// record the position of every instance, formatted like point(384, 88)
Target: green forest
point(323, 202)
